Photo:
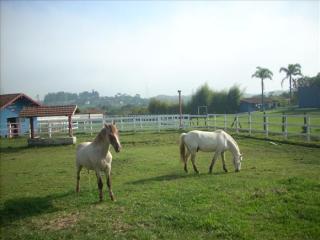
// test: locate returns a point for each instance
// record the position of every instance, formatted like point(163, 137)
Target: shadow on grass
point(10, 149)
point(172, 177)
point(20, 208)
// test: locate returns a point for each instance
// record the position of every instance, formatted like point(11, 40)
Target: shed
point(48, 111)
point(11, 106)
point(254, 104)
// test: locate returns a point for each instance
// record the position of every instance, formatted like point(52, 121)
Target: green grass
point(275, 196)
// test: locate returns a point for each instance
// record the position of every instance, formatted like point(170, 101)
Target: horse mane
point(114, 129)
point(230, 139)
point(101, 136)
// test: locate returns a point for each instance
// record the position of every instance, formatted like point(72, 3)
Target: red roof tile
point(8, 99)
point(47, 111)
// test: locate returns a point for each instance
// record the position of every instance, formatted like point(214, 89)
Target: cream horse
point(217, 141)
point(96, 156)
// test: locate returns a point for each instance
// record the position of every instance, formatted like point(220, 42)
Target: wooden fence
point(304, 126)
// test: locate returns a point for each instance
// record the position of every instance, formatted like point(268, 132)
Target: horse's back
point(82, 145)
point(206, 141)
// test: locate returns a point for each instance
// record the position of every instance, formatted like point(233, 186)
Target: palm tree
point(262, 73)
point(291, 71)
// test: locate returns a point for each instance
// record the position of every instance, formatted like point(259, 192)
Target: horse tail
point(182, 148)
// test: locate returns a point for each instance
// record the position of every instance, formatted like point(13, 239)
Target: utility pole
point(180, 109)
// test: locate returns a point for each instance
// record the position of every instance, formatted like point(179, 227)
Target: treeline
point(118, 104)
point(205, 100)
point(61, 98)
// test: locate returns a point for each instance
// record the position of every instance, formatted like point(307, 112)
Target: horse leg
point(223, 162)
point(78, 178)
point(193, 160)
point(109, 183)
point(100, 185)
point(185, 161)
point(215, 157)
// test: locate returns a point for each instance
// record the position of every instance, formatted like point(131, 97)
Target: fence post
point(134, 124)
point(215, 121)
point(250, 123)
point(159, 123)
point(225, 122)
point(284, 126)
point(10, 130)
point(267, 126)
point(237, 123)
point(307, 126)
point(121, 124)
point(283, 122)
point(264, 121)
point(49, 129)
point(206, 121)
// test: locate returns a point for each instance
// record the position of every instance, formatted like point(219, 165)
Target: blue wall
point(309, 97)
point(13, 111)
point(247, 107)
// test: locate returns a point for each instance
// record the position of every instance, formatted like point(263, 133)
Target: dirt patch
point(62, 222)
point(119, 226)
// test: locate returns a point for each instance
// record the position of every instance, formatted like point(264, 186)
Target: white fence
point(287, 126)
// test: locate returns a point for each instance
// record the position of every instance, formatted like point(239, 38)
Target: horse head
point(113, 136)
point(237, 161)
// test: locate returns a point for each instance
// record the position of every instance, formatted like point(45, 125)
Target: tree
point(202, 97)
point(291, 71)
point(306, 81)
point(262, 73)
point(233, 99)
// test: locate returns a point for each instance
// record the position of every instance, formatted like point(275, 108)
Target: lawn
point(275, 196)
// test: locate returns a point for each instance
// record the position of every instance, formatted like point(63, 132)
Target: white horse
point(96, 156)
point(217, 141)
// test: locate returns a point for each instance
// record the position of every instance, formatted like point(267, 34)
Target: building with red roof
point(10, 107)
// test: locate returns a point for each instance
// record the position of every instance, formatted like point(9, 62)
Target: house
point(11, 106)
point(254, 104)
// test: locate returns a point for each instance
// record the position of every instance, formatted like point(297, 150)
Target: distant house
point(309, 97)
point(11, 106)
point(254, 104)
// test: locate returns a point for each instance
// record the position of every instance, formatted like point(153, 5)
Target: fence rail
point(287, 126)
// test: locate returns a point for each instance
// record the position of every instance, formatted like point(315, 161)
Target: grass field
point(275, 196)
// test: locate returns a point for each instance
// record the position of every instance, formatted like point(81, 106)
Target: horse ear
point(107, 126)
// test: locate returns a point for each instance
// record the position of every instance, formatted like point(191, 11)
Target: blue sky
point(153, 47)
